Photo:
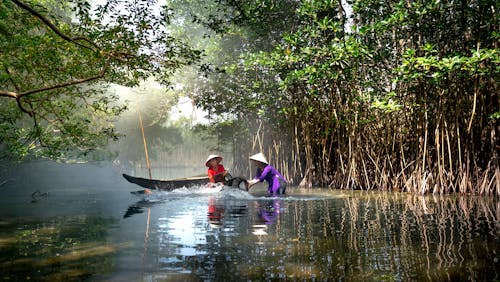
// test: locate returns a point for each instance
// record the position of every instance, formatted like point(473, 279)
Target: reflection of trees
point(55, 249)
point(363, 236)
point(381, 236)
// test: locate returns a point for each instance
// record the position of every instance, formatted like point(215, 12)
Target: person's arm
point(252, 182)
point(219, 177)
point(259, 176)
point(220, 174)
point(211, 174)
point(264, 173)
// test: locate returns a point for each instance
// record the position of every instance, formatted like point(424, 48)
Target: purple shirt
point(272, 176)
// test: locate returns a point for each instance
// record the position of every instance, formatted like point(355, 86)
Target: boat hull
point(167, 185)
point(172, 184)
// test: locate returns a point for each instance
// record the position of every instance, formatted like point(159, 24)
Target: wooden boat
point(172, 184)
point(167, 185)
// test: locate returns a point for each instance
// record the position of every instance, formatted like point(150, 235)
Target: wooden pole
point(145, 146)
point(146, 236)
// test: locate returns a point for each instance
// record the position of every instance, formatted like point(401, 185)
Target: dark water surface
point(80, 223)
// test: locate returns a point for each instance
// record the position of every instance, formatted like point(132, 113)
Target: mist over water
point(84, 224)
point(68, 188)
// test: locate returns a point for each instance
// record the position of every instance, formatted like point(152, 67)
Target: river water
point(81, 223)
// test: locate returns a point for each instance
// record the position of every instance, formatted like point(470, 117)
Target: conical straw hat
point(260, 158)
point(219, 159)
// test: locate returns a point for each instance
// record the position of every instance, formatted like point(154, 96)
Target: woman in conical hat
point(266, 172)
point(216, 170)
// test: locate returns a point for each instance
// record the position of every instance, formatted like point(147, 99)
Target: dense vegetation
point(396, 95)
point(375, 94)
point(57, 61)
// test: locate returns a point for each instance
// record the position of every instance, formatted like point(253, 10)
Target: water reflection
point(85, 231)
point(137, 207)
point(191, 234)
point(215, 212)
point(55, 249)
point(353, 236)
point(269, 210)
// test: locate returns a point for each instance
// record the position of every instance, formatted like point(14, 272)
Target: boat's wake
point(217, 190)
point(197, 193)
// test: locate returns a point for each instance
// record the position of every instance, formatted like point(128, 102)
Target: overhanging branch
point(18, 96)
point(69, 83)
point(54, 28)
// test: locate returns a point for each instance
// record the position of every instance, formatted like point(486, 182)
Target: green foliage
point(59, 58)
point(386, 105)
point(431, 67)
point(222, 88)
point(339, 76)
point(151, 103)
point(369, 72)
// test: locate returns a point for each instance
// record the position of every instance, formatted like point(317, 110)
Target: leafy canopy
point(57, 59)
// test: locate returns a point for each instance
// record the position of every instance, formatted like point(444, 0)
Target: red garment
point(211, 172)
point(215, 212)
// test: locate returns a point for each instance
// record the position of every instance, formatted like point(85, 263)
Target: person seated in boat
point(216, 170)
point(266, 172)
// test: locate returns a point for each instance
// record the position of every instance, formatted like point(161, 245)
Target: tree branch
point(69, 83)
point(54, 28)
point(18, 96)
point(20, 106)
point(4, 93)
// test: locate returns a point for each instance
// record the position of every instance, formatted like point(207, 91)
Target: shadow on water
point(89, 227)
point(137, 208)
